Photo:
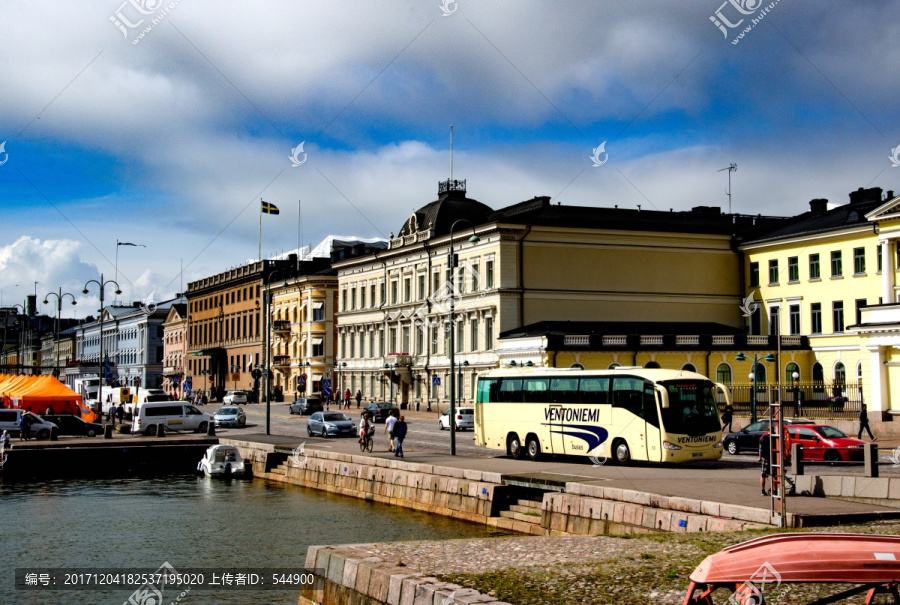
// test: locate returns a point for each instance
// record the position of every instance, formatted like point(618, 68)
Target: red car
point(822, 442)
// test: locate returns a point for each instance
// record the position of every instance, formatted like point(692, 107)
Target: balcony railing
point(651, 340)
point(281, 326)
point(577, 340)
point(281, 360)
point(614, 340)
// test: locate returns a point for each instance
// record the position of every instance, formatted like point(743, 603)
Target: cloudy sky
point(163, 124)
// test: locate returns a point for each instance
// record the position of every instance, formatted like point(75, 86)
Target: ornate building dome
point(451, 205)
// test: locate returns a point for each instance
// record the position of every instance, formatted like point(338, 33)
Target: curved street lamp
point(452, 264)
point(102, 285)
point(59, 298)
point(741, 357)
point(267, 294)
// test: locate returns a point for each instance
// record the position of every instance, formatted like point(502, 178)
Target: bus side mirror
point(663, 396)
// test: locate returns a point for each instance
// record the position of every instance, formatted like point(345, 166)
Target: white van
point(9, 421)
point(174, 415)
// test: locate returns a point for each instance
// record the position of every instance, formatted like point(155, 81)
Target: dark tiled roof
point(619, 328)
point(440, 214)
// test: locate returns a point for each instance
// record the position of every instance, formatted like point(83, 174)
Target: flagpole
point(298, 234)
point(260, 228)
point(117, 273)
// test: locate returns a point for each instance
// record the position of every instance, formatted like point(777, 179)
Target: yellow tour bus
point(626, 413)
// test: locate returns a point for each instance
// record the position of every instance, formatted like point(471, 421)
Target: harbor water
point(188, 522)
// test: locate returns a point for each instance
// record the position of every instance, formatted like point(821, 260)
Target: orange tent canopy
point(37, 393)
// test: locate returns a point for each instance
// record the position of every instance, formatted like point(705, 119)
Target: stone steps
point(523, 517)
point(516, 525)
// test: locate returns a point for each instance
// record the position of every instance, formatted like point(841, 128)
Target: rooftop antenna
point(451, 152)
point(731, 168)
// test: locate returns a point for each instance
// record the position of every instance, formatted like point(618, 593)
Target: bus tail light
point(671, 446)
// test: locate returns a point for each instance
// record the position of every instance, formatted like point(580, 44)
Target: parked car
point(40, 428)
point(330, 424)
point(174, 415)
point(747, 439)
point(234, 398)
point(379, 410)
point(823, 442)
point(305, 406)
point(73, 425)
point(222, 460)
point(465, 419)
point(230, 416)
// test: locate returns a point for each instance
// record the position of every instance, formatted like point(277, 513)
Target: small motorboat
point(754, 572)
point(222, 460)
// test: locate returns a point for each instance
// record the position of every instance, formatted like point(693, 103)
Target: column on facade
point(878, 397)
point(887, 271)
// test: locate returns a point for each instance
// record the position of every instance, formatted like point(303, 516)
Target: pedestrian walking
point(727, 417)
point(120, 413)
point(358, 398)
point(24, 427)
point(347, 396)
point(399, 435)
point(864, 423)
point(4, 440)
point(765, 459)
point(389, 429)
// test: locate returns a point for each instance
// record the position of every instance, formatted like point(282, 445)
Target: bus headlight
point(718, 445)
point(670, 446)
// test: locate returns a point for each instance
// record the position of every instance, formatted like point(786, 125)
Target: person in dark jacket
point(727, 417)
point(864, 423)
point(400, 431)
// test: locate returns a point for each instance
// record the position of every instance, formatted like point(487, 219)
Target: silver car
point(235, 398)
point(330, 424)
point(230, 416)
point(465, 419)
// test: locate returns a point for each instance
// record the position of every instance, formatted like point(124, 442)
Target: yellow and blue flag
point(269, 208)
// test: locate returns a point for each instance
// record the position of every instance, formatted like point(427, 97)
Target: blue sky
point(171, 141)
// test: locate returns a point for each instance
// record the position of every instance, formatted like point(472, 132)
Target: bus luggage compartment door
point(555, 430)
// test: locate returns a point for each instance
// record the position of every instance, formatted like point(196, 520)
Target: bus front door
point(555, 429)
point(652, 432)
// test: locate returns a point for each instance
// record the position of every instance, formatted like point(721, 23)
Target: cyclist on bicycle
point(365, 427)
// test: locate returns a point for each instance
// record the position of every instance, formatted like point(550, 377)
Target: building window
point(473, 336)
point(489, 274)
point(723, 373)
point(815, 318)
point(371, 344)
point(343, 300)
point(488, 333)
point(859, 261)
point(381, 341)
point(774, 319)
point(461, 279)
point(393, 293)
point(793, 269)
point(319, 313)
point(756, 320)
point(754, 275)
point(353, 298)
point(372, 296)
point(840, 374)
point(475, 284)
point(407, 289)
point(382, 293)
point(794, 312)
point(420, 339)
point(405, 341)
point(318, 348)
point(433, 337)
point(362, 296)
point(838, 316)
point(460, 337)
point(773, 272)
point(814, 272)
point(879, 257)
point(790, 370)
point(352, 346)
point(837, 267)
point(422, 287)
point(392, 332)
point(860, 303)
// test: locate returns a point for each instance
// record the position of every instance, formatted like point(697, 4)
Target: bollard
point(796, 459)
point(871, 459)
point(160, 430)
point(107, 431)
point(211, 429)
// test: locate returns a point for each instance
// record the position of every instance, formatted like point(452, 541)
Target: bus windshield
point(692, 407)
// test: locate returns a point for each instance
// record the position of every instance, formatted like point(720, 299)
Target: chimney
point(818, 206)
point(889, 195)
point(861, 195)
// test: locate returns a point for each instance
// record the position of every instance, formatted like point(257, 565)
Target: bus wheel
point(622, 453)
point(514, 446)
point(533, 448)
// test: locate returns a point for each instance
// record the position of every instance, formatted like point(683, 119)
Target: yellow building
point(530, 262)
point(815, 276)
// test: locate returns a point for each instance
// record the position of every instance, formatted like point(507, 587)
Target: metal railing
point(813, 401)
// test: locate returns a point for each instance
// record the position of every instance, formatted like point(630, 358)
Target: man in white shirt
point(389, 429)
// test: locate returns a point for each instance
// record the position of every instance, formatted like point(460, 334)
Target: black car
point(379, 410)
point(306, 406)
point(747, 439)
point(73, 425)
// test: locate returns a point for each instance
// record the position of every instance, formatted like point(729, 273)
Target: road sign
point(436, 381)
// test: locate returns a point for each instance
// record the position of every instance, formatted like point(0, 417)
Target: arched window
point(789, 371)
point(576, 366)
point(652, 364)
point(613, 366)
point(859, 373)
point(818, 373)
point(723, 373)
point(760, 374)
point(840, 373)
point(689, 367)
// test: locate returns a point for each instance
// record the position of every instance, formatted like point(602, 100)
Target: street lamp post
point(102, 285)
point(205, 373)
point(753, 374)
point(452, 264)
point(391, 367)
point(235, 368)
point(267, 295)
point(797, 409)
point(59, 298)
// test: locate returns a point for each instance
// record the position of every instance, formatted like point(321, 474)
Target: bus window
point(487, 389)
point(692, 407)
point(564, 390)
point(595, 390)
point(510, 390)
point(650, 414)
point(628, 393)
point(535, 390)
